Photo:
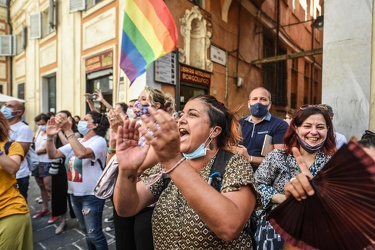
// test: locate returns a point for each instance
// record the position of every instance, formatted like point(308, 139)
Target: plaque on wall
point(166, 69)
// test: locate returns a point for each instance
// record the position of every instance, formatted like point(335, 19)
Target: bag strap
point(218, 169)
point(7, 146)
point(100, 163)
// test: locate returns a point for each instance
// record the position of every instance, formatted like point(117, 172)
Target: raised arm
point(130, 196)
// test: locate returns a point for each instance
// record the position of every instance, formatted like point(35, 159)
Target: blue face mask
point(200, 151)
point(82, 127)
point(7, 112)
point(259, 110)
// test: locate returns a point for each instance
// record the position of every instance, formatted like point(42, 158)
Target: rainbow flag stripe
point(149, 32)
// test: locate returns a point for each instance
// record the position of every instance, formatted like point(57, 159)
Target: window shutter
point(24, 35)
point(77, 5)
point(51, 14)
point(3, 3)
point(35, 25)
point(6, 45)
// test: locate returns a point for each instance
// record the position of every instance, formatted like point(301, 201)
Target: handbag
point(32, 159)
point(107, 181)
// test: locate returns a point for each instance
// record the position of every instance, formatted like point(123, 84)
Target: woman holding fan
point(311, 133)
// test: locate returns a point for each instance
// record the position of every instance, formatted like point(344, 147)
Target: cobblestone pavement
point(72, 238)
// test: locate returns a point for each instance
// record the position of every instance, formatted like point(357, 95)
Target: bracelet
point(111, 150)
point(49, 138)
point(175, 166)
point(71, 135)
point(251, 159)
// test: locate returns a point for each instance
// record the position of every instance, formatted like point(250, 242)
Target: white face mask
point(130, 113)
point(42, 127)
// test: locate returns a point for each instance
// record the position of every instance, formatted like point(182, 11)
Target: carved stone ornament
point(197, 40)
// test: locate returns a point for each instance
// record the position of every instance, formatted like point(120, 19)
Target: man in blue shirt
point(260, 123)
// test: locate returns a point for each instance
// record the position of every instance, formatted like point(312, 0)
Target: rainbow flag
point(149, 32)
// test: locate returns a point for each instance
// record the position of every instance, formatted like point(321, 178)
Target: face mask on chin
point(259, 110)
point(308, 148)
point(200, 151)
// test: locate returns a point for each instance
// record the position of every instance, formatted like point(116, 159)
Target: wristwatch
point(1, 152)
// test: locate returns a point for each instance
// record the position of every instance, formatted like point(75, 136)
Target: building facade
point(59, 50)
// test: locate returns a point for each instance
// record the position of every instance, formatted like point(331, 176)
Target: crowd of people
point(168, 192)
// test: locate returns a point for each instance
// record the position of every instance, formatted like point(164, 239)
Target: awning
point(5, 98)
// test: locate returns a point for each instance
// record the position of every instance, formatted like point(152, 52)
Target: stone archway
point(196, 40)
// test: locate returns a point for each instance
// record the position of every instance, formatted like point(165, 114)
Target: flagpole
point(177, 89)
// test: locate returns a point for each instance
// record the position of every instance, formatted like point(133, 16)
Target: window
point(307, 84)
point(91, 3)
point(199, 3)
point(51, 86)
point(48, 20)
point(274, 73)
point(21, 40)
point(294, 86)
point(21, 91)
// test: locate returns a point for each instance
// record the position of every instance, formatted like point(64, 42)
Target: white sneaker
point(108, 220)
point(110, 228)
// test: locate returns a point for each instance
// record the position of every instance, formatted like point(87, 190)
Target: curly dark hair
point(220, 116)
point(290, 138)
point(101, 120)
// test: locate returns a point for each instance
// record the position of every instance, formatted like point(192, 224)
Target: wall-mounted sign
point(166, 69)
point(99, 62)
point(218, 55)
point(194, 75)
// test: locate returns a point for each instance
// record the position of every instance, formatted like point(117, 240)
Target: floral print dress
point(272, 174)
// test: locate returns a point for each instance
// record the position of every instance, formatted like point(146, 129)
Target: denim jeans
point(89, 211)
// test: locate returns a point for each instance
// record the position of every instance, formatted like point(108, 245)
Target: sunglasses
point(368, 135)
point(318, 106)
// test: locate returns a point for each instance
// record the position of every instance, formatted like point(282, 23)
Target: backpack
point(215, 179)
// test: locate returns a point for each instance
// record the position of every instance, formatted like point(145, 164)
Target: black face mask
point(308, 148)
point(258, 110)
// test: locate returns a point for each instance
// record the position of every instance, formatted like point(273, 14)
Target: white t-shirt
point(40, 142)
point(20, 132)
point(83, 174)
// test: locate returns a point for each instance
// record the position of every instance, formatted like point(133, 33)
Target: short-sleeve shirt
point(11, 200)
point(175, 225)
point(84, 173)
point(253, 133)
point(20, 132)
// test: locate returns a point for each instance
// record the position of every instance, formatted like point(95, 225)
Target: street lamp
point(318, 23)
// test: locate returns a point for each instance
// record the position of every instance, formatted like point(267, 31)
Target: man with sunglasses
point(259, 124)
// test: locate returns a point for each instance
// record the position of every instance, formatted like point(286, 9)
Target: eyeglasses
point(318, 106)
point(368, 135)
